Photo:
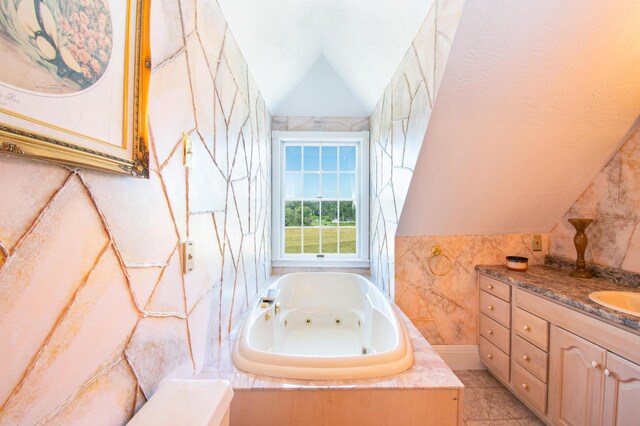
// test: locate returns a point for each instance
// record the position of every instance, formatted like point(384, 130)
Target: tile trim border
point(460, 357)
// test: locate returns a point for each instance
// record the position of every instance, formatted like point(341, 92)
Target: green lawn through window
point(293, 241)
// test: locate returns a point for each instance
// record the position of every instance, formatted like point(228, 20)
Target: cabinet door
point(622, 392)
point(576, 379)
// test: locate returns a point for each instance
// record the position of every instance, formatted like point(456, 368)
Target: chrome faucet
point(269, 299)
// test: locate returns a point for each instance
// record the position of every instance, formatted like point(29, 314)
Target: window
point(320, 200)
point(320, 206)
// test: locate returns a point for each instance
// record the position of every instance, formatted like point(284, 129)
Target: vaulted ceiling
point(362, 41)
point(536, 97)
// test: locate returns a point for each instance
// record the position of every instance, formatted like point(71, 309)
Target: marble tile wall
point(398, 124)
point(445, 308)
point(96, 310)
point(319, 124)
point(613, 201)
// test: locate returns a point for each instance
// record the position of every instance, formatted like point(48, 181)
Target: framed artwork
point(74, 82)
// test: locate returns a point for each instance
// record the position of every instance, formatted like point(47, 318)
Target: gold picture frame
point(28, 132)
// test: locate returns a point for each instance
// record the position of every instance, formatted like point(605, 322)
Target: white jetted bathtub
point(323, 326)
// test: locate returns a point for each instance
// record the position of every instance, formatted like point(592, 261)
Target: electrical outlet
point(188, 150)
point(536, 242)
point(188, 253)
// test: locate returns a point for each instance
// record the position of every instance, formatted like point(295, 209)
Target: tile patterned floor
point(488, 403)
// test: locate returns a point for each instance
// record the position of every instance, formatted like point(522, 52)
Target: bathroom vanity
point(570, 360)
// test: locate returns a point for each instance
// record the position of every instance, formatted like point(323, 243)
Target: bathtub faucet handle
point(277, 308)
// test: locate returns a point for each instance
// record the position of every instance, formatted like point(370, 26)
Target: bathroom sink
point(623, 301)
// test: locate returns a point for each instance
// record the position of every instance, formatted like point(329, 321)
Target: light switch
point(188, 150)
point(188, 253)
point(536, 242)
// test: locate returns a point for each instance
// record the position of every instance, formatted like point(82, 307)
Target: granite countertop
point(559, 286)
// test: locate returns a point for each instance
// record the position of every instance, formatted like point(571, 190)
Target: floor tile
point(488, 402)
point(531, 422)
point(487, 379)
point(468, 379)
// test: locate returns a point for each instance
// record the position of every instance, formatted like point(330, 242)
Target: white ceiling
point(362, 40)
point(331, 96)
point(536, 97)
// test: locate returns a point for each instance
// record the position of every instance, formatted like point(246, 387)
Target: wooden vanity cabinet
point(577, 383)
point(495, 327)
point(568, 367)
point(591, 385)
point(529, 360)
point(621, 392)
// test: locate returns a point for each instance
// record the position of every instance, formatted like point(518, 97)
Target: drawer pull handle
point(490, 356)
point(525, 357)
point(526, 328)
point(490, 308)
point(525, 386)
point(490, 286)
point(607, 372)
point(490, 332)
point(594, 364)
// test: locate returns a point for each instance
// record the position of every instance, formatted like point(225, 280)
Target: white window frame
point(279, 258)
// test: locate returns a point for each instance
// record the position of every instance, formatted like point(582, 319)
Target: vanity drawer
point(496, 360)
point(496, 309)
point(532, 328)
point(495, 333)
point(530, 388)
point(495, 287)
point(530, 357)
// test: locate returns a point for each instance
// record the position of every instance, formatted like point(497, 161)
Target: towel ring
point(435, 252)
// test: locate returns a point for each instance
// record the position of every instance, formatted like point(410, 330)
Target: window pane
point(311, 240)
point(311, 158)
point(293, 185)
point(293, 213)
point(321, 174)
point(311, 216)
point(329, 240)
point(347, 240)
point(347, 213)
point(311, 185)
point(329, 213)
point(293, 156)
point(329, 185)
point(293, 240)
point(347, 185)
point(348, 158)
point(330, 158)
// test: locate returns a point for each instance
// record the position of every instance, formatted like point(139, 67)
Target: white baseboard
point(460, 357)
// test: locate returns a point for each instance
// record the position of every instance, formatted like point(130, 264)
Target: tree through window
point(320, 198)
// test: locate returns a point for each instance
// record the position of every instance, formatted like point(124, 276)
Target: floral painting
point(54, 46)
point(74, 80)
